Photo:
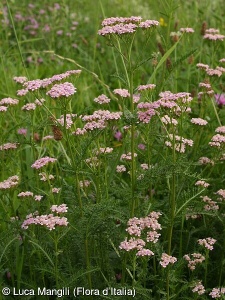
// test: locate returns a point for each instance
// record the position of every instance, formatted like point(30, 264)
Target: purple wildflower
point(220, 99)
point(118, 135)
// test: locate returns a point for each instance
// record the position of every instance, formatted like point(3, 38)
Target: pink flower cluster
point(149, 24)
point(3, 108)
point(169, 120)
point(102, 99)
point(217, 140)
point(104, 150)
point(59, 209)
point(122, 93)
point(120, 25)
point(39, 102)
point(50, 221)
point(199, 288)
point(104, 115)
point(43, 162)
point(84, 183)
point(118, 29)
point(181, 145)
point(202, 66)
point(210, 204)
point(9, 183)
point(69, 120)
point(45, 177)
point(213, 35)
point(30, 194)
point(36, 84)
point(218, 71)
point(217, 292)
point(8, 146)
point(115, 20)
point(205, 160)
point(177, 102)
point(120, 168)
point(29, 106)
point(97, 120)
point(221, 193)
point(146, 227)
point(187, 30)
point(220, 129)
point(199, 121)
point(202, 183)
point(56, 190)
point(127, 156)
point(9, 101)
point(167, 259)
point(25, 194)
point(65, 89)
point(207, 243)
point(20, 79)
point(197, 258)
point(146, 87)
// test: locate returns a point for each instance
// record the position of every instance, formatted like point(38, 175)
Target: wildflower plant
point(115, 183)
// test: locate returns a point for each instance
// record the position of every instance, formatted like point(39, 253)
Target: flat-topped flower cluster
point(120, 25)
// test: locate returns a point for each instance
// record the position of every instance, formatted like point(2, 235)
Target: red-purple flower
point(220, 99)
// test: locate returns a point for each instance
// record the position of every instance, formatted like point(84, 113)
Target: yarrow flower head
point(56, 190)
point(3, 108)
point(20, 79)
point(120, 168)
point(217, 292)
point(120, 26)
point(122, 93)
point(196, 258)
point(187, 30)
point(199, 288)
point(84, 183)
point(25, 194)
point(199, 121)
point(62, 208)
point(167, 259)
point(65, 89)
point(207, 243)
point(9, 183)
point(8, 146)
point(9, 101)
point(146, 87)
point(137, 227)
point(202, 183)
point(43, 162)
point(29, 106)
point(102, 99)
point(49, 221)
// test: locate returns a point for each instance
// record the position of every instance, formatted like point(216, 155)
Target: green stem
point(56, 261)
point(88, 263)
point(216, 113)
point(168, 284)
point(206, 267)
point(72, 159)
point(134, 270)
point(17, 41)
